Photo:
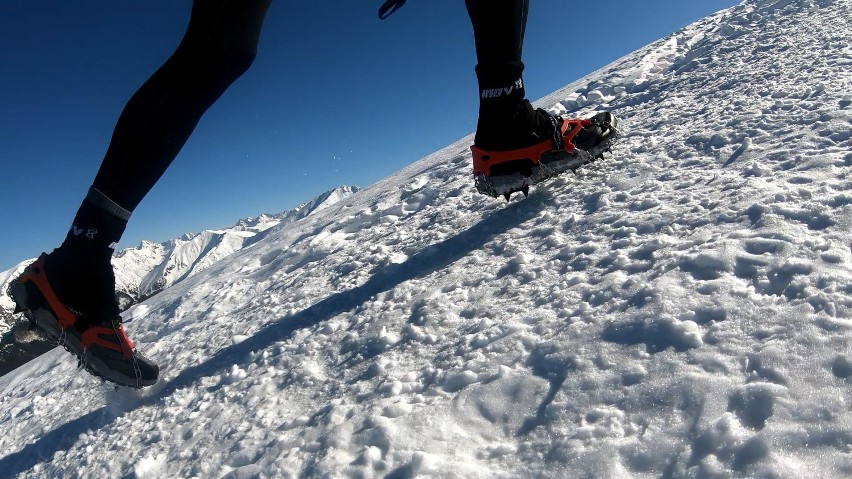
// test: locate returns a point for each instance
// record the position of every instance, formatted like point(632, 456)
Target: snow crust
point(683, 309)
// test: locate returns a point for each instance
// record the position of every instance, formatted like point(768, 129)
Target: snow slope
point(683, 309)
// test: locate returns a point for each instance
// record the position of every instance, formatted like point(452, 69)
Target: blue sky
point(335, 97)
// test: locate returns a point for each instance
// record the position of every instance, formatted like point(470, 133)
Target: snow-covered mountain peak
point(146, 270)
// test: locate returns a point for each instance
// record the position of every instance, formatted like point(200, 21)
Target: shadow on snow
point(429, 260)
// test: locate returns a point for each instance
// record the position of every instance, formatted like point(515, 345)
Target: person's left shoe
point(570, 144)
point(97, 340)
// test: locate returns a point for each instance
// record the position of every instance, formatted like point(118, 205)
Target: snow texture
point(683, 309)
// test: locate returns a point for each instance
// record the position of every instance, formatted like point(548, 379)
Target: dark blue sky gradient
point(335, 97)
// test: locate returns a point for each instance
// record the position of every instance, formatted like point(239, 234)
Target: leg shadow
point(431, 259)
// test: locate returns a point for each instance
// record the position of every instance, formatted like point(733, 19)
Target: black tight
point(219, 46)
point(498, 28)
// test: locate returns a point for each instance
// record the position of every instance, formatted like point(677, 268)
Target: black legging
point(498, 29)
point(219, 46)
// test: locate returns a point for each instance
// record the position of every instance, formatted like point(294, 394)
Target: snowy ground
point(681, 310)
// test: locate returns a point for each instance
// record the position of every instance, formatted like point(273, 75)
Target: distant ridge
point(147, 269)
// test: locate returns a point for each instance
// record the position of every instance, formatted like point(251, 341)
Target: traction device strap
point(99, 336)
point(93, 335)
point(35, 274)
point(563, 140)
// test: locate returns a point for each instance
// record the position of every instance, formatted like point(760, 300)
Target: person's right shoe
point(99, 341)
point(567, 145)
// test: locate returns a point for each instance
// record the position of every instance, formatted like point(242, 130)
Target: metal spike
point(32, 327)
point(507, 196)
point(526, 191)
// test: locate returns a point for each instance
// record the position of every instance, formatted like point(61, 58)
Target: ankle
point(80, 269)
point(518, 128)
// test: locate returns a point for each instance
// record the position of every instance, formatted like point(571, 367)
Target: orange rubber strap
point(484, 160)
point(35, 273)
point(93, 337)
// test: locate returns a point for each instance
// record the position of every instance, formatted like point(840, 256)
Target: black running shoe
point(597, 136)
point(100, 343)
point(569, 144)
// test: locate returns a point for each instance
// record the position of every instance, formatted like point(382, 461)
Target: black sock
point(80, 270)
point(501, 89)
point(507, 120)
